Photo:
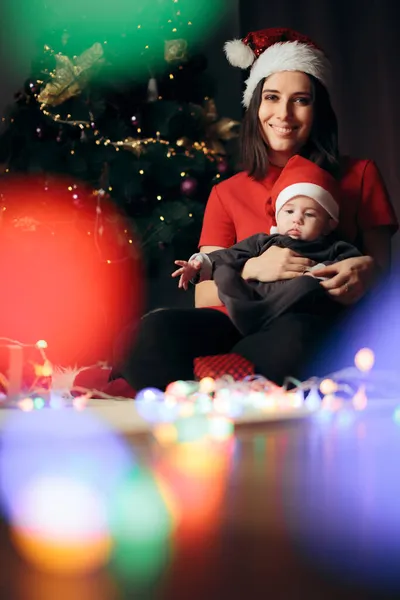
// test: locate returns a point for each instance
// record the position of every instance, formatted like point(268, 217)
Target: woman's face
point(286, 114)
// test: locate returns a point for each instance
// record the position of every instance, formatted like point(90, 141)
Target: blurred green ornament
point(134, 32)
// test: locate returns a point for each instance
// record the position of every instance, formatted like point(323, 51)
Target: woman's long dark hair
point(321, 146)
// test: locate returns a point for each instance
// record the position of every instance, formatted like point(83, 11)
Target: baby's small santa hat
point(301, 177)
point(273, 50)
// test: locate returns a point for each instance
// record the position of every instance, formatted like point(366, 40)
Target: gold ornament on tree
point(137, 145)
point(134, 145)
point(218, 130)
point(175, 50)
point(71, 76)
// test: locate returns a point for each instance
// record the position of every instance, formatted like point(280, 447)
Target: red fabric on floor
point(223, 364)
point(96, 378)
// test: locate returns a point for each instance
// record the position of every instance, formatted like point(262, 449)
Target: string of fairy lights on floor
point(189, 410)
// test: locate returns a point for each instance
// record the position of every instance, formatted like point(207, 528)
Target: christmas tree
point(119, 97)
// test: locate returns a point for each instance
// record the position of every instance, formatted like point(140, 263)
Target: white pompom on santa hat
point(273, 50)
point(301, 177)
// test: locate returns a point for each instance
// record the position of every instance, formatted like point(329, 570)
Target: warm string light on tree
point(71, 83)
point(168, 126)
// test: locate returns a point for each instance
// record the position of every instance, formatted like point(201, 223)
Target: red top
point(238, 207)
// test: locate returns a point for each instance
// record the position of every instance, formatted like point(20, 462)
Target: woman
point(288, 112)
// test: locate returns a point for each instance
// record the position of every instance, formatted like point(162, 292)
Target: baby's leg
point(230, 284)
point(240, 297)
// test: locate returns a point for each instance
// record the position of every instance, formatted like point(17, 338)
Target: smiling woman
point(292, 110)
point(288, 112)
point(285, 114)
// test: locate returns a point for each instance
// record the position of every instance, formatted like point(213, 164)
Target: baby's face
point(304, 219)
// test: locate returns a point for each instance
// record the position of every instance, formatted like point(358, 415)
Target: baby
point(306, 212)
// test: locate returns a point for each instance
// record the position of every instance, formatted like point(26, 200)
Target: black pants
point(162, 347)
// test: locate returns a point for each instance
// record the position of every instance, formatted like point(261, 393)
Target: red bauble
point(70, 268)
point(223, 166)
point(189, 186)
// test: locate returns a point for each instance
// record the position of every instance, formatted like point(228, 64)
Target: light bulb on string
point(328, 387)
point(364, 360)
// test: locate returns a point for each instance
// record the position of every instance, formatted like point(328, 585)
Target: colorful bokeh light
point(143, 518)
point(60, 524)
point(59, 471)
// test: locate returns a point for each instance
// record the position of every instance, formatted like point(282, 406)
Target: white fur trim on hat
point(311, 190)
point(239, 54)
point(287, 56)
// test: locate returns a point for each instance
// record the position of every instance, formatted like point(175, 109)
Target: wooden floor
point(302, 509)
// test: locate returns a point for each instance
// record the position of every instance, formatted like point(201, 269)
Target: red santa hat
point(272, 50)
point(301, 177)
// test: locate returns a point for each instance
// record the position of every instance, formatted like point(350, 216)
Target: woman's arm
point(349, 279)
point(276, 263)
point(206, 293)
point(378, 244)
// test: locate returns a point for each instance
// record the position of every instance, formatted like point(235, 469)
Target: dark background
point(363, 45)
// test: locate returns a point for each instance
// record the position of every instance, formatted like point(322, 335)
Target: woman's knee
point(161, 321)
point(160, 329)
point(285, 348)
point(154, 327)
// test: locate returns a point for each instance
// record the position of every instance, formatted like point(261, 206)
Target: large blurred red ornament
point(70, 268)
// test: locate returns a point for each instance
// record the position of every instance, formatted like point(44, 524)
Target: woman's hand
point(276, 263)
point(349, 279)
point(186, 272)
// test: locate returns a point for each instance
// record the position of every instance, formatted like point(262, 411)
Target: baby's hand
point(187, 271)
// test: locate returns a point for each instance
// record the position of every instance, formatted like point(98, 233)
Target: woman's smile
point(282, 130)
